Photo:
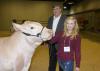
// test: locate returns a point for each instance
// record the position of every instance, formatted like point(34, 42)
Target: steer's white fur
point(16, 50)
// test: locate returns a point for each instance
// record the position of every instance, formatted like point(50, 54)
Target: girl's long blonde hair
point(75, 29)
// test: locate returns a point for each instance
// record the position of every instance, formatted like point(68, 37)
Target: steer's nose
point(50, 32)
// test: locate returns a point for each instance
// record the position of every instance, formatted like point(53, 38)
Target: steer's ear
point(16, 27)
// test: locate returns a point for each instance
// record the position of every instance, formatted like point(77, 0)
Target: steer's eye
point(32, 27)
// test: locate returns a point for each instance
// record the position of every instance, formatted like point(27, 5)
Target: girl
point(69, 43)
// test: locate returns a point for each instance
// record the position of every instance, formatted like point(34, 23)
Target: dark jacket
point(60, 25)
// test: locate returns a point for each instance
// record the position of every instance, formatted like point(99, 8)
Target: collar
point(57, 16)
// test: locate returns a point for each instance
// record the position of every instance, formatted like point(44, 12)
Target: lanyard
point(69, 41)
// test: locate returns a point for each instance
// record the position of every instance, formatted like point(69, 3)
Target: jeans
point(66, 65)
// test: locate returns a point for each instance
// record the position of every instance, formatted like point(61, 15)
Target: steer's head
point(30, 28)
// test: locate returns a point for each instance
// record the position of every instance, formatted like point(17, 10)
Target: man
point(56, 23)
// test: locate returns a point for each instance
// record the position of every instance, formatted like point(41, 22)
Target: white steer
point(16, 50)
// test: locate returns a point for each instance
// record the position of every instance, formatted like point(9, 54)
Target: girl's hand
point(77, 68)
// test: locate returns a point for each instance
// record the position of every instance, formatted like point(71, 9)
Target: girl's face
point(70, 25)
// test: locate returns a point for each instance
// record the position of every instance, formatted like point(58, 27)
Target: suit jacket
point(60, 25)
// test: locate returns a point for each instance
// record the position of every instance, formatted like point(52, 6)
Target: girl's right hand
point(77, 69)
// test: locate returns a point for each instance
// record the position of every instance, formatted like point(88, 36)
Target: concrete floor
point(90, 60)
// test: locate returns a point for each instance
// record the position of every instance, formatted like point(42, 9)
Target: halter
point(37, 35)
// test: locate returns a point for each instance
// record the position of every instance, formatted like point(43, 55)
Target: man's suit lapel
point(51, 22)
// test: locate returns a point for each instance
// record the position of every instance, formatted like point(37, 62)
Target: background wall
point(86, 6)
point(24, 10)
point(88, 14)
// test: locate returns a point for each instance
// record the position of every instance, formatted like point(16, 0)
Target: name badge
point(67, 49)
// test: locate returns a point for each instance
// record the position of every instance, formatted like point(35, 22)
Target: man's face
point(56, 11)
